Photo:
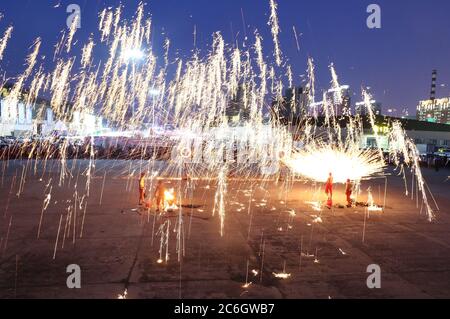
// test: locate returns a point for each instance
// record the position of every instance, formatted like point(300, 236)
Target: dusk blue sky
point(395, 61)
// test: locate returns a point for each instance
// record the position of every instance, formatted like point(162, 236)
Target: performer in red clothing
point(142, 189)
point(329, 190)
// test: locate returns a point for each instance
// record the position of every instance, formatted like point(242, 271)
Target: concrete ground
point(264, 228)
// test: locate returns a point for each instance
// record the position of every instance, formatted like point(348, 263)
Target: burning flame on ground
point(169, 200)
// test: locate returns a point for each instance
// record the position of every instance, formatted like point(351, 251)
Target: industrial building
point(361, 108)
point(434, 110)
point(428, 137)
point(17, 118)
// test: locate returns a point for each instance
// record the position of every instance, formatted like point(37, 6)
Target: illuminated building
point(340, 99)
point(435, 111)
point(17, 118)
point(361, 108)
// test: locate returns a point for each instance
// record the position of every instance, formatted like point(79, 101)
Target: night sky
point(395, 61)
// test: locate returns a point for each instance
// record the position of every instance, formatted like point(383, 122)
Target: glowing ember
point(316, 206)
point(292, 213)
point(317, 219)
point(124, 295)
point(375, 209)
point(247, 285)
point(282, 275)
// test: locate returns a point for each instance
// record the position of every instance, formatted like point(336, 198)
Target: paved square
point(264, 229)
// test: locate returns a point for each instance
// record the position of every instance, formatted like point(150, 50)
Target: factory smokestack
point(433, 85)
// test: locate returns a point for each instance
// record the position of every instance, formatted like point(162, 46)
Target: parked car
point(3, 142)
point(9, 139)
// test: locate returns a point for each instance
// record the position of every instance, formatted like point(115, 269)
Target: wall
point(425, 137)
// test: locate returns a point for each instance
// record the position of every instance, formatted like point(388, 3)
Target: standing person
point(329, 190)
point(437, 163)
point(348, 193)
point(430, 162)
point(159, 195)
point(142, 189)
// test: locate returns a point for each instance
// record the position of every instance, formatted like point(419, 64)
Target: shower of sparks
point(219, 201)
point(87, 54)
point(135, 91)
point(275, 28)
point(353, 164)
point(4, 41)
point(404, 147)
point(47, 200)
point(371, 203)
point(73, 29)
point(164, 232)
point(296, 38)
point(311, 86)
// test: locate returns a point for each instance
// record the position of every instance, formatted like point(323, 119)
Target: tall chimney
point(433, 85)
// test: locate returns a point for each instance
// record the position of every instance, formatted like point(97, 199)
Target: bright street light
point(132, 54)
